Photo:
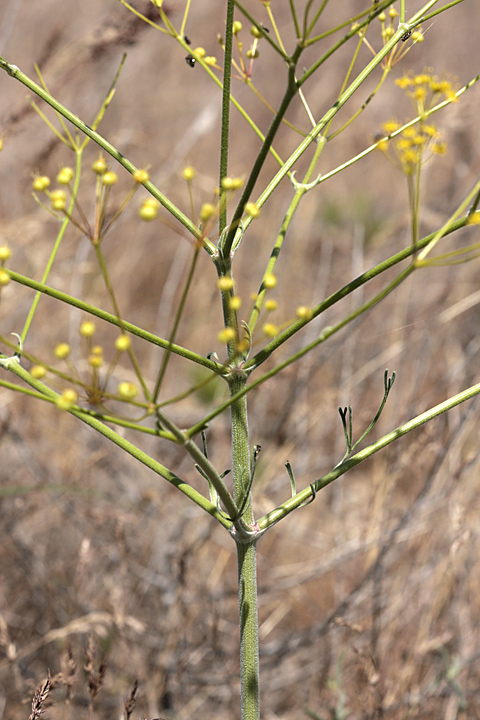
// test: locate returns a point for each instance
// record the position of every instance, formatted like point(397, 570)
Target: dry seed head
point(127, 390)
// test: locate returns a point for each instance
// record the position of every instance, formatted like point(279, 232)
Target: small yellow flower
point(235, 302)
point(127, 390)
point(97, 350)
point(87, 328)
point(225, 284)
point(95, 361)
point(252, 209)
point(38, 371)
point(200, 51)
point(229, 183)
point(65, 176)
point(149, 210)
point(417, 36)
point(58, 199)
point(474, 219)
point(67, 399)
point(270, 305)
point(109, 178)
point(390, 126)
point(439, 147)
point(41, 183)
point(227, 335)
point(269, 281)
point(207, 211)
point(141, 176)
point(236, 27)
point(122, 343)
point(5, 253)
point(270, 330)
point(4, 277)
point(303, 312)
point(210, 60)
point(188, 173)
point(62, 351)
point(256, 32)
point(404, 82)
point(99, 167)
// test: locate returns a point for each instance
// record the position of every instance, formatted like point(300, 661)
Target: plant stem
point(247, 558)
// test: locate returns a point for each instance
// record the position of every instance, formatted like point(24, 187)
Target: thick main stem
point(247, 556)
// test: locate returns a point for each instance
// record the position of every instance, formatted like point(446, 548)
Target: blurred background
point(369, 597)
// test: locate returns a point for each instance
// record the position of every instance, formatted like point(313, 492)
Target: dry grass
point(369, 598)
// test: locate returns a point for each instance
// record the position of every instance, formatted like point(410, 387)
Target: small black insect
point(187, 40)
point(190, 60)
point(405, 37)
point(265, 28)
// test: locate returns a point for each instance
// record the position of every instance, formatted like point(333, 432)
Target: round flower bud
point(255, 32)
point(65, 176)
point(127, 390)
point(87, 328)
point(141, 176)
point(188, 173)
point(252, 209)
point(122, 343)
point(269, 281)
point(1, 144)
point(4, 277)
point(303, 312)
point(99, 167)
point(38, 371)
point(148, 210)
point(97, 350)
point(109, 178)
point(58, 199)
point(5, 253)
point(95, 361)
point(225, 284)
point(200, 51)
point(62, 351)
point(67, 399)
point(41, 183)
point(207, 211)
point(270, 330)
point(270, 305)
point(210, 60)
point(235, 302)
point(252, 54)
point(236, 27)
point(227, 335)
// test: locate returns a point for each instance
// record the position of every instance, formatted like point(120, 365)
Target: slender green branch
point(227, 80)
point(122, 324)
point(126, 446)
point(302, 497)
